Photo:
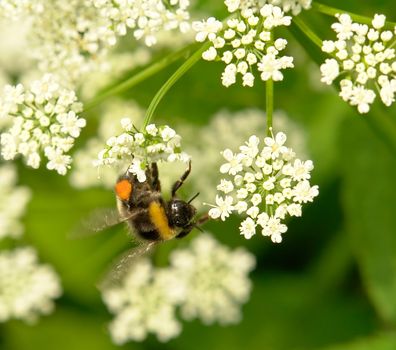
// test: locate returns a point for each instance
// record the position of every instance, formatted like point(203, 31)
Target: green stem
point(269, 102)
point(332, 11)
point(308, 31)
point(137, 78)
point(194, 58)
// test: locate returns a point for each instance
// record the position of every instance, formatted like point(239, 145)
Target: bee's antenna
point(195, 196)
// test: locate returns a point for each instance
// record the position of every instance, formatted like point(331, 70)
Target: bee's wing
point(122, 264)
point(97, 221)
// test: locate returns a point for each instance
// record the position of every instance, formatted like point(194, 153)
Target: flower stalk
point(269, 101)
point(136, 79)
point(184, 68)
point(332, 11)
point(308, 31)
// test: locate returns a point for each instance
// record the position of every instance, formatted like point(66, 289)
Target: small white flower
point(137, 169)
point(302, 170)
point(387, 92)
point(27, 288)
point(294, 209)
point(207, 29)
point(248, 79)
point(225, 186)
point(269, 184)
point(232, 5)
point(228, 77)
point(253, 212)
point(58, 161)
point(358, 96)
point(274, 229)
point(330, 70)
point(275, 145)
point(378, 21)
point(251, 148)
point(234, 164)
point(256, 199)
point(223, 208)
point(210, 54)
point(303, 192)
point(152, 130)
point(126, 124)
point(248, 228)
point(241, 207)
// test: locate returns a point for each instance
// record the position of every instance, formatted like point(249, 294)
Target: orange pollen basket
point(123, 189)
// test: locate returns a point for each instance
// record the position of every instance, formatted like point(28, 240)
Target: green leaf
point(369, 192)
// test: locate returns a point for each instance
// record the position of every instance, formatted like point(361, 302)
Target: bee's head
point(180, 212)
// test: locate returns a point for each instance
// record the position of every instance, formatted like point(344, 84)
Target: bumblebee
point(148, 215)
point(142, 207)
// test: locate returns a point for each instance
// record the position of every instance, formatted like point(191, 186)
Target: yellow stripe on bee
point(160, 220)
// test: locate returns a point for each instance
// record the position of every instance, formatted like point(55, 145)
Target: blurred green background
point(331, 284)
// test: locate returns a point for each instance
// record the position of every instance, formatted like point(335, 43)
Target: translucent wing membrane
point(97, 221)
point(122, 264)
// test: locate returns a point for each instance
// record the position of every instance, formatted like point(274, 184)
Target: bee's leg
point(156, 184)
point(180, 182)
point(196, 224)
point(185, 231)
point(202, 220)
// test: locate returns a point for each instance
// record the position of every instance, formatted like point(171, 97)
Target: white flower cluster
point(247, 42)
point(85, 175)
point(267, 184)
point(207, 281)
point(13, 201)
point(27, 288)
point(215, 280)
point(225, 130)
point(145, 302)
point(142, 148)
point(293, 6)
point(69, 39)
point(145, 17)
point(15, 8)
point(45, 121)
point(364, 57)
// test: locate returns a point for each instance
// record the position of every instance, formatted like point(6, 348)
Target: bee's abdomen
point(159, 219)
point(153, 235)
